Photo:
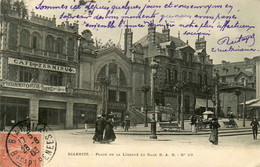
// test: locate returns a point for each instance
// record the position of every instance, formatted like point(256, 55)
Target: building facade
point(39, 73)
point(238, 83)
point(129, 70)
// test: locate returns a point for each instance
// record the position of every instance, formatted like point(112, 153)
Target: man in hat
point(254, 123)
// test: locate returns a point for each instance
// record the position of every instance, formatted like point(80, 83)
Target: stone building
point(39, 73)
point(238, 83)
point(129, 70)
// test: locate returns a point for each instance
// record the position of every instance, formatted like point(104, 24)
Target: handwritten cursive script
point(226, 40)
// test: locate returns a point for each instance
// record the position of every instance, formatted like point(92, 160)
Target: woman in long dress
point(109, 132)
point(214, 131)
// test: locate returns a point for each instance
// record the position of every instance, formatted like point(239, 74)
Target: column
point(69, 115)
point(34, 112)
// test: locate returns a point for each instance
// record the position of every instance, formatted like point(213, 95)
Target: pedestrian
point(214, 131)
point(109, 132)
point(127, 122)
point(99, 129)
point(193, 123)
point(254, 123)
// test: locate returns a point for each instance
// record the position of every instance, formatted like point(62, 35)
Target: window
point(111, 95)
point(113, 73)
point(224, 79)
point(122, 96)
point(175, 76)
point(56, 79)
point(36, 40)
point(25, 75)
point(50, 43)
point(168, 76)
point(190, 77)
point(59, 45)
point(185, 58)
point(184, 76)
point(25, 38)
point(71, 47)
point(200, 80)
point(122, 79)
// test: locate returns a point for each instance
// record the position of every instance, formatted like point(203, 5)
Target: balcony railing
point(42, 53)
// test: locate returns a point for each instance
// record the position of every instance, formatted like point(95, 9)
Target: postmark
point(23, 148)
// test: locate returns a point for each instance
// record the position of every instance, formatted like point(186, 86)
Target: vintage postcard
point(134, 83)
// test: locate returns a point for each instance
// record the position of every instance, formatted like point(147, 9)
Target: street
point(77, 149)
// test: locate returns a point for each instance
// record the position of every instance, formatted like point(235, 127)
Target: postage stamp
point(23, 148)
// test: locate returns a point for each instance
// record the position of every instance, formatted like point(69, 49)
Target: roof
point(233, 69)
point(250, 102)
point(159, 39)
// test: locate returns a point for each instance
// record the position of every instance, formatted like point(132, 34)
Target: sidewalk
point(139, 129)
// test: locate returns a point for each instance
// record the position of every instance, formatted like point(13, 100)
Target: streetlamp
point(154, 65)
point(244, 107)
point(145, 89)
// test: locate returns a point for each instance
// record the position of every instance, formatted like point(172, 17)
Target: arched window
point(25, 38)
point(122, 79)
point(50, 43)
point(184, 76)
point(70, 47)
point(36, 40)
point(102, 72)
point(59, 45)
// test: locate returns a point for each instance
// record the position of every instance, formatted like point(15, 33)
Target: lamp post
point(145, 89)
point(154, 65)
point(213, 99)
point(244, 107)
point(238, 93)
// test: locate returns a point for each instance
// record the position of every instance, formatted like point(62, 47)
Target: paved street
point(177, 150)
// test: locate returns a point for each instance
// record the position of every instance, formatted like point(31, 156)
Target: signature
point(226, 40)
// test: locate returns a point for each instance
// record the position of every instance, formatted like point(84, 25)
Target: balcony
point(42, 53)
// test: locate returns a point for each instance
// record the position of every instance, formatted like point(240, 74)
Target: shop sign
point(43, 66)
point(33, 86)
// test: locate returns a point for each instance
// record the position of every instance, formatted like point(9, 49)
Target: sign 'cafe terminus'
point(43, 66)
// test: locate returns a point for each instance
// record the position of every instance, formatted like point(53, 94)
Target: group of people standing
point(104, 124)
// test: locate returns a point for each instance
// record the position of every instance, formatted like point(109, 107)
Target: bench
point(167, 125)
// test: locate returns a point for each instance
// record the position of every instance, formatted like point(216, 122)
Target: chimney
point(200, 43)
point(166, 33)
point(128, 42)
point(151, 32)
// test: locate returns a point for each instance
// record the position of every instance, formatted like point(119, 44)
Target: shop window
point(111, 95)
point(122, 96)
point(25, 38)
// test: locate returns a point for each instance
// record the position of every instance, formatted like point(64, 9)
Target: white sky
point(247, 12)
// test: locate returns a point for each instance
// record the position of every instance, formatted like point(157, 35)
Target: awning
point(249, 102)
point(208, 113)
point(257, 104)
point(202, 103)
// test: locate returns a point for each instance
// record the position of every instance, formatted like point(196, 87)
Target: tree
point(5, 6)
point(103, 83)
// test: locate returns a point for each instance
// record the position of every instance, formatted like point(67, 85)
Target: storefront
point(84, 114)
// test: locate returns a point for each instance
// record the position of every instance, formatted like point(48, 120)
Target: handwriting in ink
point(236, 25)
point(232, 49)
point(226, 40)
